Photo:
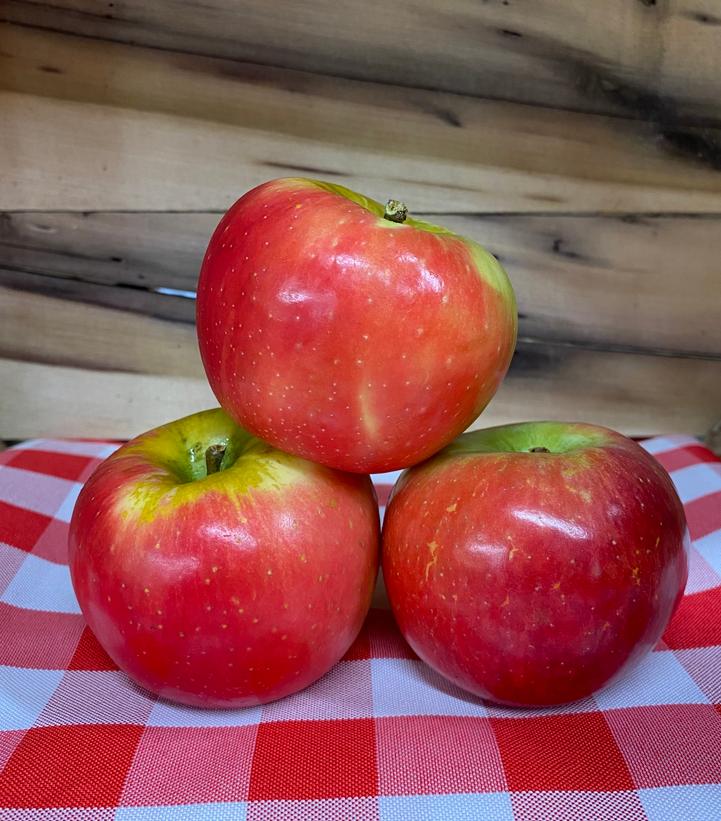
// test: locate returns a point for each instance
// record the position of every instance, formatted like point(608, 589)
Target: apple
point(533, 563)
point(217, 571)
point(349, 333)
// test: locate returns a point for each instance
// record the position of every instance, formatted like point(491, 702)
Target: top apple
point(349, 333)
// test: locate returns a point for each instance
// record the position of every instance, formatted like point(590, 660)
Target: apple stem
point(396, 211)
point(538, 450)
point(213, 457)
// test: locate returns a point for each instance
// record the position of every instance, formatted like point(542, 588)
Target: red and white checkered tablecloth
point(380, 737)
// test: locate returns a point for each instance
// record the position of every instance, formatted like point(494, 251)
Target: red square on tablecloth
point(386, 641)
point(704, 515)
point(64, 465)
point(670, 744)
point(69, 766)
point(561, 752)
point(314, 759)
point(187, 765)
point(685, 456)
point(437, 754)
point(52, 544)
point(696, 623)
point(9, 740)
point(20, 527)
point(38, 638)
point(89, 655)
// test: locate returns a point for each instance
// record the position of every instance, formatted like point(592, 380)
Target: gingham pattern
point(380, 737)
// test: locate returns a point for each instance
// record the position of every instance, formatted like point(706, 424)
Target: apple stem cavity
point(213, 457)
point(396, 211)
point(539, 450)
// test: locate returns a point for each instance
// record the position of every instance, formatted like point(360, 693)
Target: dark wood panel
point(35, 327)
point(136, 300)
point(631, 282)
point(138, 249)
point(642, 58)
point(612, 281)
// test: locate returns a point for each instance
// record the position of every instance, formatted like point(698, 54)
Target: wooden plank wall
point(580, 142)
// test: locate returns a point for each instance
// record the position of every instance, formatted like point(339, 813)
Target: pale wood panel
point(638, 395)
point(128, 160)
point(114, 373)
point(632, 281)
point(51, 400)
point(40, 328)
point(167, 131)
point(634, 393)
point(641, 57)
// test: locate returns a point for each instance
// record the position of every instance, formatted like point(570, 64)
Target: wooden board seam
point(625, 114)
point(605, 347)
point(622, 216)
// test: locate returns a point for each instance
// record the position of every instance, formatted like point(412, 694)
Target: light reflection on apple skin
point(547, 520)
point(181, 566)
point(301, 300)
point(493, 555)
point(352, 262)
point(293, 296)
point(427, 279)
point(285, 522)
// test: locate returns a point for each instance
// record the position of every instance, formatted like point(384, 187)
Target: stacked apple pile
point(229, 558)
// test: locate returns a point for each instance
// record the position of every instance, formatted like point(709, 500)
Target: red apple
point(345, 336)
point(218, 571)
point(533, 563)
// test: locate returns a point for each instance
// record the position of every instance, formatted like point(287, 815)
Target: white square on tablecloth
point(23, 695)
point(658, 679)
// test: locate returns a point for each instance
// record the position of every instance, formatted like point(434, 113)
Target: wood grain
point(52, 400)
point(167, 131)
point(712, 438)
point(137, 300)
point(639, 395)
point(69, 333)
point(127, 128)
point(93, 362)
point(636, 282)
point(136, 250)
point(639, 57)
point(72, 369)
